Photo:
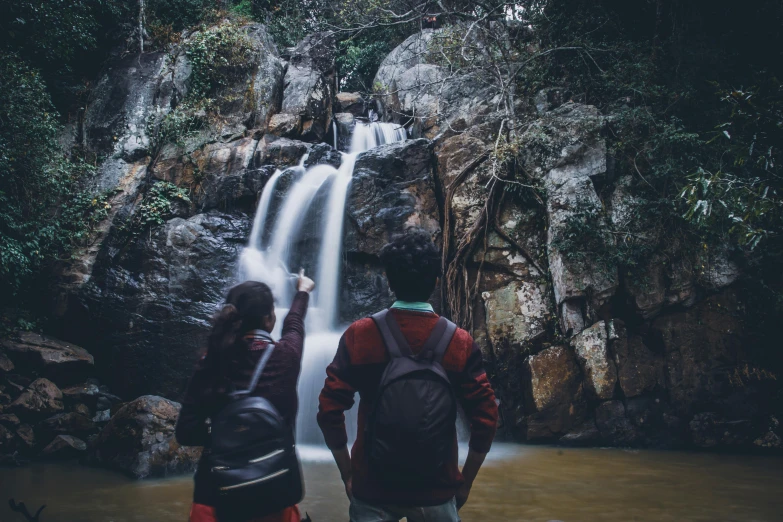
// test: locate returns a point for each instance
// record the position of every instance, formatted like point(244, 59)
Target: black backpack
point(411, 427)
point(252, 460)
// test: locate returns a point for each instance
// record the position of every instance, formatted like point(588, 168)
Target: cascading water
point(318, 194)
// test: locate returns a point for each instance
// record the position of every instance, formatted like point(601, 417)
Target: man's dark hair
point(412, 263)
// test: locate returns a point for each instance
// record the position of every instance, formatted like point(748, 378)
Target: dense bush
point(42, 212)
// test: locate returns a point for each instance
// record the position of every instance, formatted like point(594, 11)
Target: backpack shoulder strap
point(438, 342)
point(392, 336)
point(259, 369)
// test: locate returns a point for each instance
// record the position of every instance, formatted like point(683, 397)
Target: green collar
point(412, 305)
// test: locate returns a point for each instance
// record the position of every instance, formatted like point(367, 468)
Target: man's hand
point(463, 493)
point(304, 284)
point(343, 459)
point(349, 488)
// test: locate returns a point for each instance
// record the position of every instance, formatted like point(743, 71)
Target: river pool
point(518, 483)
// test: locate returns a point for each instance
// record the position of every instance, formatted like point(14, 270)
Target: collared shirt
point(416, 306)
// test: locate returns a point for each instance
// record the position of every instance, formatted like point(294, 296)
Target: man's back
point(358, 366)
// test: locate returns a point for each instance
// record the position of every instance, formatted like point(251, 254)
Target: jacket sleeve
point(337, 397)
point(191, 429)
point(293, 333)
point(478, 400)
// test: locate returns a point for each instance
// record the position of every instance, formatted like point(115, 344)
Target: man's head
point(412, 263)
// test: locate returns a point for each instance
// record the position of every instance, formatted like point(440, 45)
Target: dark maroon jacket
point(277, 384)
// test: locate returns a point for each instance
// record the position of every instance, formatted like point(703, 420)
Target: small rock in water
point(64, 446)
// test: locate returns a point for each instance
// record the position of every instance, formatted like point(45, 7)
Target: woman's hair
point(246, 306)
point(412, 264)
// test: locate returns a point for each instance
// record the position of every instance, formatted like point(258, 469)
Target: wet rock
point(593, 355)
point(155, 297)
point(64, 447)
point(284, 125)
point(392, 190)
point(102, 416)
point(516, 314)
point(7, 440)
point(40, 399)
point(613, 425)
point(323, 154)
point(139, 440)
point(88, 394)
point(9, 420)
point(585, 435)
point(49, 357)
point(638, 368)
point(346, 123)
point(68, 423)
point(455, 154)
point(26, 437)
point(350, 102)
point(6, 365)
point(700, 344)
point(709, 430)
point(554, 393)
point(279, 152)
point(405, 56)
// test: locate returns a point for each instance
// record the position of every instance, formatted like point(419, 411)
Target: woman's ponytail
point(225, 328)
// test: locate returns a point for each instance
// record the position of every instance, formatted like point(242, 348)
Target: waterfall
point(319, 194)
point(334, 133)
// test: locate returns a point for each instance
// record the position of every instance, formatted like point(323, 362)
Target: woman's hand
point(304, 283)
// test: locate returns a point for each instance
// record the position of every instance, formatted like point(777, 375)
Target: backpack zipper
point(256, 481)
point(265, 457)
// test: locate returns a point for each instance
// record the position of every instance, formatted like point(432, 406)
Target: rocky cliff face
point(579, 350)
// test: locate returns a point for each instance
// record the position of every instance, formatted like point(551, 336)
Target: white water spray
point(269, 259)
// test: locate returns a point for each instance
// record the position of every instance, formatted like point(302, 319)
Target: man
point(412, 264)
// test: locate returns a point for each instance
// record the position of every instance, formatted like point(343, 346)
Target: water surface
point(518, 483)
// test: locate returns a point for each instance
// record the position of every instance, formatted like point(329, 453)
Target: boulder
point(6, 365)
point(139, 440)
point(553, 393)
point(161, 290)
point(593, 355)
point(284, 125)
point(350, 102)
point(7, 439)
point(68, 423)
point(409, 83)
point(613, 425)
point(585, 435)
point(26, 437)
point(345, 123)
point(316, 51)
point(710, 430)
point(516, 315)
point(64, 447)
point(393, 189)
point(639, 369)
point(49, 357)
point(237, 192)
point(717, 270)
point(701, 345)
point(9, 420)
point(323, 154)
point(279, 152)
point(40, 399)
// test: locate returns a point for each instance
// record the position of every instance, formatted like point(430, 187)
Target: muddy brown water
point(518, 483)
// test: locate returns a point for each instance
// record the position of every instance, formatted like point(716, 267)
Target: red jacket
point(358, 366)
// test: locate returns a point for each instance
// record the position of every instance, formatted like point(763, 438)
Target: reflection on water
point(518, 483)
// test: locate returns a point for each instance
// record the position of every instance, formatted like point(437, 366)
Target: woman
point(239, 337)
